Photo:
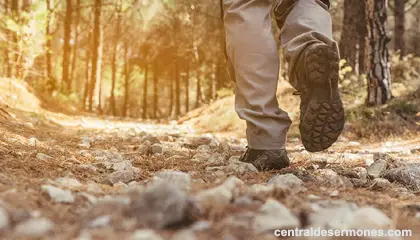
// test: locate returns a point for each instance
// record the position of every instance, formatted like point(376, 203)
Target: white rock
point(33, 142)
point(272, 216)
point(179, 178)
point(239, 167)
point(146, 234)
point(377, 169)
point(260, 191)
point(124, 176)
point(29, 125)
point(184, 235)
point(332, 216)
point(156, 149)
point(100, 222)
point(4, 219)
point(380, 184)
point(334, 193)
point(204, 149)
point(286, 181)
point(91, 199)
point(34, 227)
point(68, 182)
point(369, 218)
point(121, 166)
point(58, 195)
point(42, 156)
point(220, 195)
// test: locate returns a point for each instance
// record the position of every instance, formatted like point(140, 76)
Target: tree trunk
point(399, 17)
point(8, 65)
point(171, 94)
point(155, 88)
point(75, 45)
point(87, 71)
point(198, 97)
point(99, 70)
point(187, 89)
point(95, 50)
point(114, 59)
point(415, 35)
point(379, 77)
point(349, 34)
point(15, 50)
point(126, 80)
point(177, 90)
point(145, 88)
point(362, 32)
point(67, 47)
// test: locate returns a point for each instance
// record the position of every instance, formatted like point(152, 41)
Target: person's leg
point(253, 55)
point(306, 36)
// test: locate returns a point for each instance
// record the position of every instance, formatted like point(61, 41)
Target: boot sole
point(323, 118)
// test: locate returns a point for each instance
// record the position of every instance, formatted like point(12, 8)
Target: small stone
point(34, 227)
point(417, 216)
point(201, 157)
point(312, 197)
point(100, 222)
point(68, 182)
point(91, 199)
point(150, 138)
point(85, 142)
point(272, 216)
point(144, 148)
point(179, 178)
point(334, 193)
point(86, 168)
point(156, 149)
point(331, 215)
point(361, 173)
point(224, 147)
point(42, 156)
point(239, 167)
point(33, 142)
point(354, 144)
point(286, 181)
point(146, 234)
point(201, 141)
point(4, 219)
point(380, 184)
point(330, 178)
point(29, 125)
point(121, 166)
point(369, 218)
point(201, 226)
point(58, 195)
point(408, 175)
point(216, 159)
point(204, 149)
point(377, 168)
point(159, 205)
point(260, 191)
point(184, 235)
point(124, 176)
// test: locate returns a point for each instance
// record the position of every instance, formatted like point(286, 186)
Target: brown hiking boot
point(265, 160)
point(322, 113)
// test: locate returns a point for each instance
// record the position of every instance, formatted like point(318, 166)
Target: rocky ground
point(87, 178)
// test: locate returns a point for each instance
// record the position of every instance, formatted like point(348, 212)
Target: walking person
point(253, 62)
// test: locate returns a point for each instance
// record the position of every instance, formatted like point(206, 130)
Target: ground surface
point(81, 177)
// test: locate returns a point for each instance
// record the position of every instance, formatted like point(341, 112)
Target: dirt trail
point(78, 177)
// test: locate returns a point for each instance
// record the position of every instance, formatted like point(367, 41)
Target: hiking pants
point(253, 60)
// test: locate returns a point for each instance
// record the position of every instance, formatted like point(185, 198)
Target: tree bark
point(145, 88)
point(127, 73)
point(95, 51)
point(87, 70)
point(8, 65)
point(15, 50)
point(379, 77)
point(198, 87)
point(349, 34)
point(399, 17)
point(99, 70)
point(67, 47)
point(415, 35)
point(187, 89)
point(155, 88)
point(177, 90)
point(362, 32)
point(114, 59)
point(76, 44)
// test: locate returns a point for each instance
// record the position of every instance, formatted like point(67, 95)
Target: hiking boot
point(322, 113)
point(265, 160)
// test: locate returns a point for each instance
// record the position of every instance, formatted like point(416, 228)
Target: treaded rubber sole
point(322, 118)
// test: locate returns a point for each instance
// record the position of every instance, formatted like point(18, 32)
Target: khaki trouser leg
point(307, 23)
point(252, 54)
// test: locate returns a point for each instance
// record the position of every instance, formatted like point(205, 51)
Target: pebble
point(4, 219)
point(184, 235)
point(179, 178)
point(331, 214)
point(380, 184)
point(146, 234)
point(42, 156)
point(124, 176)
point(121, 166)
point(408, 175)
point(68, 182)
point(34, 227)
point(272, 216)
point(377, 168)
point(369, 218)
point(334, 193)
point(286, 181)
point(33, 142)
point(204, 149)
point(58, 195)
point(160, 205)
point(239, 167)
point(100, 222)
point(156, 149)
